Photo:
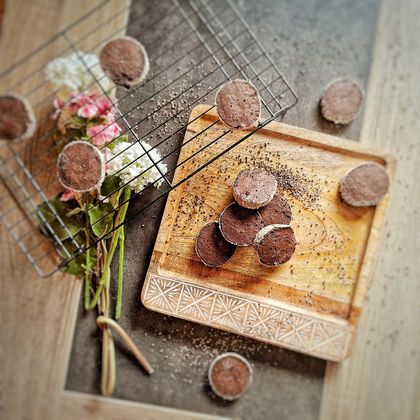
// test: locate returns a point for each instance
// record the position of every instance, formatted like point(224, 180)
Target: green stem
point(120, 274)
point(105, 272)
point(114, 241)
point(87, 265)
point(126, 197)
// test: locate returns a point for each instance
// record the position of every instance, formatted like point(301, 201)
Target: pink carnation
point(102, 134)
point(104, 105)
point(88, 111)
point(91, 106)
point(68, 195)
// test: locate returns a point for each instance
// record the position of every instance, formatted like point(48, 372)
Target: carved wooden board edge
point(279, 324)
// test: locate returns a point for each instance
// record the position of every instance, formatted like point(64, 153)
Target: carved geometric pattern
point(277, 325)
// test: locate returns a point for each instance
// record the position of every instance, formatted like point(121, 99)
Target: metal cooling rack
point(194, 47)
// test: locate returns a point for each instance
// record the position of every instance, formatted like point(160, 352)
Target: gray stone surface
point(312, 42)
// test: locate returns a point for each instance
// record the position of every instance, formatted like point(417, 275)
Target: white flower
point(130, 162)
point(70, 73)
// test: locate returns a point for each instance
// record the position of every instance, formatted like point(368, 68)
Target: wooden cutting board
point(312, 303)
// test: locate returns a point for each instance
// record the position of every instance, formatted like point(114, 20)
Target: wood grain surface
point(76, 405)
point(326, 278)
point(38, 316)
point(381, 378)
point(2, 7)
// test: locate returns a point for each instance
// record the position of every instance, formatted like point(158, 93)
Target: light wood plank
point(75, 405)
point(381, 378)
point(38, 315)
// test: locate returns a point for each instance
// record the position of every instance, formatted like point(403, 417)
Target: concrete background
point(312, 42)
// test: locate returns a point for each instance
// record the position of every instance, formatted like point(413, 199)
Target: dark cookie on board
point(276, 212)
point(211, 247)
point(254, 188)
point(275, 244)
point(239, 225)
point(364, 185)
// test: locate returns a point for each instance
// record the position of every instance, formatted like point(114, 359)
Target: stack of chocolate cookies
point(260, 217)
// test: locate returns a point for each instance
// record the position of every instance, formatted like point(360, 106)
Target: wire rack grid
point(194, 47)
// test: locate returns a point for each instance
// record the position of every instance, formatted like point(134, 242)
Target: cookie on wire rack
point(125, 61)
point(17, 120)
point(80, 167)
point(239, 104)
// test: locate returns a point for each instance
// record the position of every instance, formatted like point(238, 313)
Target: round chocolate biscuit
point(125, 61)
point(254, 188)
point(211, 247)
point(364, 185)
point(277, 211)
point(230, 375)
point(80, 167)
point(275, 244)
point(238, 104)
point(239, 225)
point(341, 101)
point(17, 120)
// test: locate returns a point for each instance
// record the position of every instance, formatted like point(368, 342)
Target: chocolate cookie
point(238, 104)
point(364, 185)
point(80, 167)
point(254, 188)
point(17, 120)
point(230, 375)
point(239, 225)
point(275, 244)
point(211, 247)
point(276, 212)
point(341, 101)
point(124, 60)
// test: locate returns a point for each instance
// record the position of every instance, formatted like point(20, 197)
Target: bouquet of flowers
point(84, 113)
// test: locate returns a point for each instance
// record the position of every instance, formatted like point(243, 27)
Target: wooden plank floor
point(380, 380)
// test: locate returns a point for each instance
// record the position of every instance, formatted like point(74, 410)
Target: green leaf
point(77, 265)
point(101, 218)
point(110, 185)
point(55, 213)
point(74, 267)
